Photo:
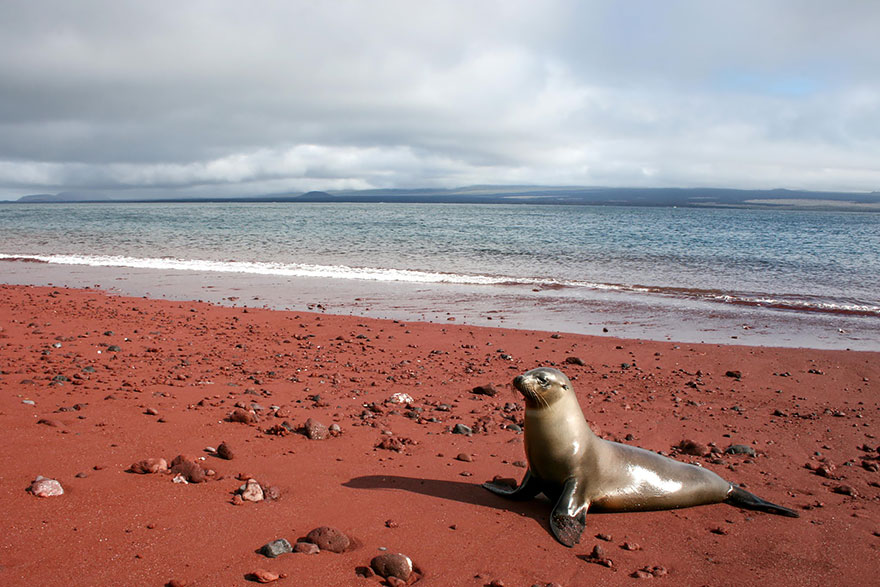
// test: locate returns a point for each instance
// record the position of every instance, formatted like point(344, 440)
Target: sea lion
point(580, 471)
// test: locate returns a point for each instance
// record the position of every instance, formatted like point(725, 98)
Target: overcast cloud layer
point(238, 98)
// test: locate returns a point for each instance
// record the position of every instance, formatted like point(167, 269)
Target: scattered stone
point(242, 416)
point(314, 430)
point(392, 565)
point(462, 429)
point(306, 548)
point(464, 457)
point(605, 537)
point(632, 546)
point(845, 490)
point(45, 487)
point(328, 538)
point(401, 398)
point(690, 447)
point(597, 557)
point(251, 491)
point(650, 572)
point(276, 548)
point(149, 466)
point(151, 412)
point(50, 423)
point(395, 443)
point(575, 361)
point(734, 374)
point(740, 449)
point(224, 452)
point(177, 583)
point(264, 576)
point(365, 572)
point(188, 468)
point(487, 390)
point(391, 524)
point(271, 493)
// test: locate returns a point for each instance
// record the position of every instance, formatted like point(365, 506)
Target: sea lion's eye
point(542, 381)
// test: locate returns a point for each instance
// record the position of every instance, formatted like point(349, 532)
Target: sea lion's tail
point(741, 498)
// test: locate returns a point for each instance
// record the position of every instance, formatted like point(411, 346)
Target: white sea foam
point(292, 270)
point(434, 277)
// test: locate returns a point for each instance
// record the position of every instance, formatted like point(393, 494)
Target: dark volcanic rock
point(488, 390)
point(740, 449)
point(224, 452)
point(276, 548)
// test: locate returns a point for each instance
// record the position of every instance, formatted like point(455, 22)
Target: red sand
point(190, 363)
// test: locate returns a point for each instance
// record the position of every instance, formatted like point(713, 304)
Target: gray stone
point(276, 548)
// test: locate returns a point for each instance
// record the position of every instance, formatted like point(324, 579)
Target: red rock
point(328, 538)
point(314, 430)
point(392, 565)
point(149, 466)
point(689, 447)
point(264, 576)
point(189, 469)
point(242, 416)
point(306, 548)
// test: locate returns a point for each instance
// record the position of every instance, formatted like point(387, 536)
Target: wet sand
point(92, 383)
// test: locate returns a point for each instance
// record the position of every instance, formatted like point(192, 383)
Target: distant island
point(595, 196)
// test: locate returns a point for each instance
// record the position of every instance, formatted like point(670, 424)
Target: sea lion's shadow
point(471, 493)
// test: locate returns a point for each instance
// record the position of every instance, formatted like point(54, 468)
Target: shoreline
point(625, 315)
point(177, 369)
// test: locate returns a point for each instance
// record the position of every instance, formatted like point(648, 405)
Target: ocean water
point(798, 278)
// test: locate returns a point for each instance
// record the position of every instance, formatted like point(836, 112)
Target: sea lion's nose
point(517, 381)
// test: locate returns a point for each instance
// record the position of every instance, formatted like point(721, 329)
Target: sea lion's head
point(542, 386)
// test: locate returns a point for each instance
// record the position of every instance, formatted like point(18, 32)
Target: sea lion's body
point(581, 471)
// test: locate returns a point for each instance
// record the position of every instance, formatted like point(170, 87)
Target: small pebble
point(44, 487)
point(264, 576)
point(306, 548)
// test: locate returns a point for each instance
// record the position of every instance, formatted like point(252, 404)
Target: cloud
point(224, 97)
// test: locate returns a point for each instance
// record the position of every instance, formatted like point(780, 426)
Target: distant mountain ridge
point(573, 195)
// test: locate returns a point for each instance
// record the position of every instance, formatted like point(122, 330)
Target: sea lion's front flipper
point(741, 498)
point(529, 488)
point(569, 517)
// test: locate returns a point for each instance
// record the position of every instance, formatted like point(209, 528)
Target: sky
point(223, 98)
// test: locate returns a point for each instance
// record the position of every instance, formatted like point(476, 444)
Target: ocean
point(740, 276)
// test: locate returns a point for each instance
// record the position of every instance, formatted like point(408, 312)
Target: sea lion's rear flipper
point(569, 516)
point(741, 498)
point(529, 488)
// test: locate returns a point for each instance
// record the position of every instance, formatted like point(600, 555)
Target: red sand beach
point(91, 384)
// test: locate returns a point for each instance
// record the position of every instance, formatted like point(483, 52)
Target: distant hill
point(596, 196)
point(65, 197)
